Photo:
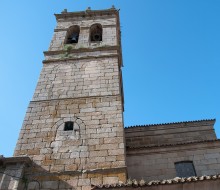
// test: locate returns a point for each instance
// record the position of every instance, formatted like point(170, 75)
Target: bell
point(97, 37)
point(74, 38)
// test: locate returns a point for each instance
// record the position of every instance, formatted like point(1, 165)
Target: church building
point(73, 134)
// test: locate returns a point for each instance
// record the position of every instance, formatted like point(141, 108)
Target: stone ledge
point(82, 50)
point(79, 58)
point(77, 98)
point(15, 160)
point(80, 172)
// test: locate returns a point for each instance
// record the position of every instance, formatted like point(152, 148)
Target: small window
point(73, 35)
point(68, 126)
point(96, 33)
point(185, 169)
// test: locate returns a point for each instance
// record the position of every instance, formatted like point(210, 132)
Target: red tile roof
point(141, 183)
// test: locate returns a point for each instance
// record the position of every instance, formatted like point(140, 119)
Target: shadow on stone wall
point(35, 177)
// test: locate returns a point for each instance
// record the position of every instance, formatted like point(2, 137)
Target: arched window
point(185, 169)
point(73, 35)
point(96, 33)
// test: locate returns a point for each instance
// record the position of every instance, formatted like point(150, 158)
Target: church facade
point(73, 134)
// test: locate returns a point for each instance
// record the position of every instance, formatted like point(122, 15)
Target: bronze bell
point(97, 36)
point(74, 38)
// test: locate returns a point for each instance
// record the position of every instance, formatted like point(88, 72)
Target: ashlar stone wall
point(158, 163)
point(170, 133)
point(73, 79)
point(96, 143)
point(84, 88)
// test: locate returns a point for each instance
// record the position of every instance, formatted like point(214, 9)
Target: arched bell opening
point(73, 35)
point(96, 33)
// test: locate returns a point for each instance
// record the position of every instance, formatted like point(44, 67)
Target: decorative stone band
point(77, 53)
point(141, 183)
point(80, 58)
point(80, 50)
point(84, 97)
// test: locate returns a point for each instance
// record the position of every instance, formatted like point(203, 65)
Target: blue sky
point(171, 54)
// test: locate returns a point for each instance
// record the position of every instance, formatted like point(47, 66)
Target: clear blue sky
point(171, 53)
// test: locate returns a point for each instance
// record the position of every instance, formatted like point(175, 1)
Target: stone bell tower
point(73, 129)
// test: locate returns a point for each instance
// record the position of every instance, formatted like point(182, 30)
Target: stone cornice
point(77, 98)
point(87, 13)
point(82, 50)
point(79, 58)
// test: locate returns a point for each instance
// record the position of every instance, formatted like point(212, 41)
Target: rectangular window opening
point(68, 126)
point(185, 169)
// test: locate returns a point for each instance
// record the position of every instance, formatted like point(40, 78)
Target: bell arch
point(72, 36)
point(96, 33)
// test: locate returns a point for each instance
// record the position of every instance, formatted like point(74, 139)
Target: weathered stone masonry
point(73, 135)
point(82, 85)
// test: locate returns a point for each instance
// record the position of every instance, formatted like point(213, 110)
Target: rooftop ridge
point(148, 125)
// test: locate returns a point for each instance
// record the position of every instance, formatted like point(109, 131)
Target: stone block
point(110, 180)
point(116, 152)
point(74, 155)
point(113, 140)
point(101, 153)
point(84, 182)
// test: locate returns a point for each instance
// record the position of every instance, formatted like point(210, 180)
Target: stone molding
point(79, 58)
point(87, 13)
point(82, 50)
point(77, 98)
